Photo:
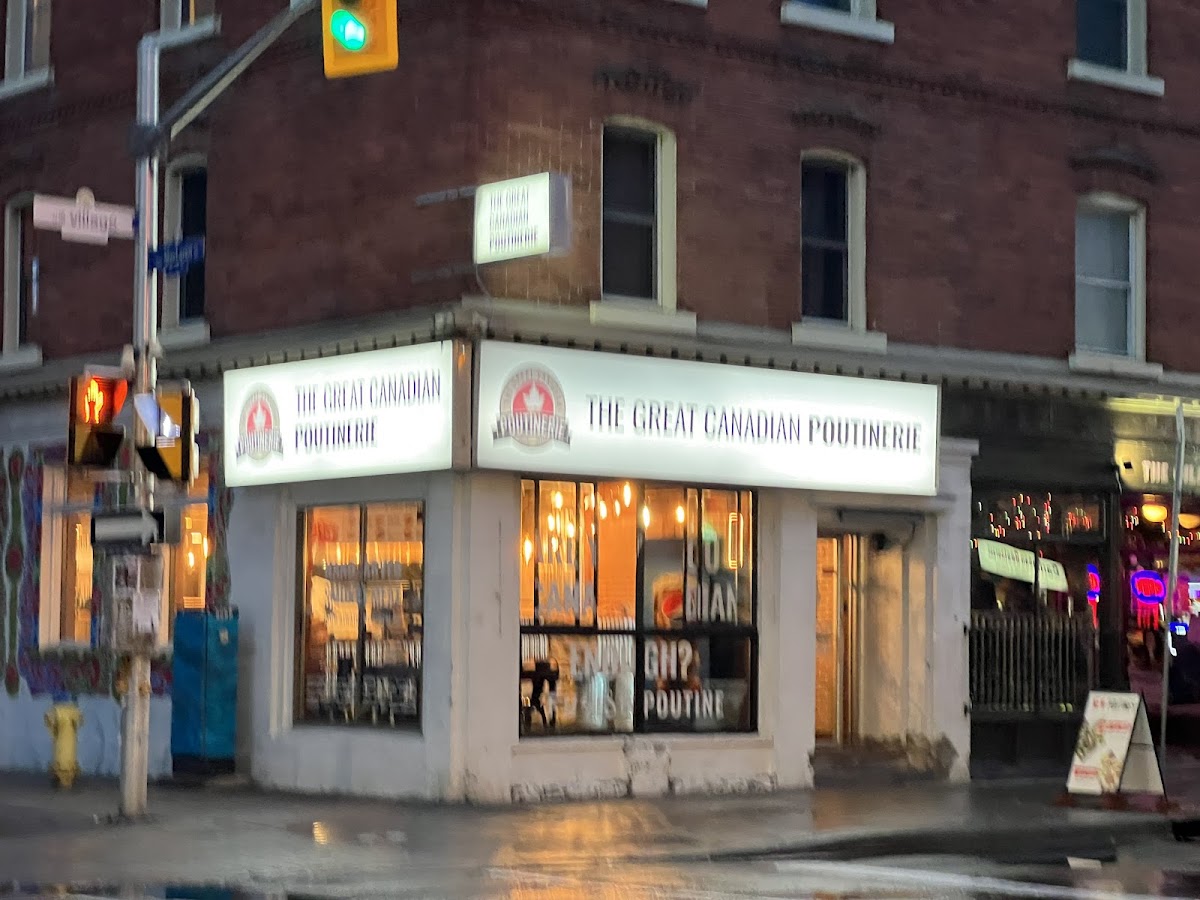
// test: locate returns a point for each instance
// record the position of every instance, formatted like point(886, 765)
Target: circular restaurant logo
point(258, 434)
point(533, 410)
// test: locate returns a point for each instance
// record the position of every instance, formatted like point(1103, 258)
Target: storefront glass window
point(69, 612)
point(637, 609)
point(363, 614)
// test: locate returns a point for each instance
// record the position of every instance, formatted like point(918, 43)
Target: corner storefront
point(500, 572)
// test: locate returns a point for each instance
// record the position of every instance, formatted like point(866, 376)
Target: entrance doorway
point(839, 588)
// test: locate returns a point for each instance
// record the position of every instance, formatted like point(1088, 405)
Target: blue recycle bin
point(204, 694)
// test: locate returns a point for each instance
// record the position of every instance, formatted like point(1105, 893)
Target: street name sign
point(177, 258)
point(82, 220)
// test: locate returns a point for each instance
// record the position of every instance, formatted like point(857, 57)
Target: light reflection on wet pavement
point(930, 878)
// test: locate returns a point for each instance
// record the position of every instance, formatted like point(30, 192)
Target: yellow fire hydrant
point(64, 720)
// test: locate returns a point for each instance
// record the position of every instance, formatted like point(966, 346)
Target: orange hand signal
point(93, 402)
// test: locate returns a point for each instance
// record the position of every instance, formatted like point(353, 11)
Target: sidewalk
point(246, 837)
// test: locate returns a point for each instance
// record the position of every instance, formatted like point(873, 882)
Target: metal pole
point(135, 721)
point(1172, 578)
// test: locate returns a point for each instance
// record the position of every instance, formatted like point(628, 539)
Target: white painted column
point(787, 632)
point(951, 610)
point(488, 629)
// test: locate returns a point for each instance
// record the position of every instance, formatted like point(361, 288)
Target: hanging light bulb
point(550, 522)
point(602, 508)
point(1154, 512)
point(570, 529)
point(679, 514)
point(645, 517)
point(627, 494)
point(527, 549)
point(558, 499)
point(553, 545)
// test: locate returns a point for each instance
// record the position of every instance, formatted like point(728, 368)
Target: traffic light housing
point(359, 37)
point(174, 455)
point(95, 401)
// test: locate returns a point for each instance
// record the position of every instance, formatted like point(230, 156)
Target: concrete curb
point(955, 839)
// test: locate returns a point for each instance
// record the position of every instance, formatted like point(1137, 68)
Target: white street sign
point(82, 219)
point(140, 527)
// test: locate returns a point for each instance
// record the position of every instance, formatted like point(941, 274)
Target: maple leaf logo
point(534, 399)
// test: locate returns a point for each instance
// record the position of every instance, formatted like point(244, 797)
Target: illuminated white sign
point(572, 412)
point(375, 413)
point(527, 216)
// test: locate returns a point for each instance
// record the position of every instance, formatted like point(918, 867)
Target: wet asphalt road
point(1159, 869)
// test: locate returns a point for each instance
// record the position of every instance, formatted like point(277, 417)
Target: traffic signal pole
point(150, 137)
point(135, 718)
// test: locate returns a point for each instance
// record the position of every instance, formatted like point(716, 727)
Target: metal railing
point(1041, 663)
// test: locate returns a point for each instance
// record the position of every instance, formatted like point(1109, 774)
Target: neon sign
point(1148, 587)
point(1094, 582)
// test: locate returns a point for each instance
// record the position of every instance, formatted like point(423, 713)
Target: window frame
point(665, 201)
point(299, 717)
point(17, 69)
point(177, 331)
point(640, 633)
point(55, 547)
point(1109, 203)
point(16, 347)
point(860, 21)
point(171, 17)
point(856, 239)
point(1135, 74)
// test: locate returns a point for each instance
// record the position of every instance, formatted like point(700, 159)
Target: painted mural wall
point(92, 675)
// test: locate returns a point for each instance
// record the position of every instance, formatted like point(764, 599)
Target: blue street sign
point(177, 258)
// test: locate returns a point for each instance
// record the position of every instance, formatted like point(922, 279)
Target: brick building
point(992, 201)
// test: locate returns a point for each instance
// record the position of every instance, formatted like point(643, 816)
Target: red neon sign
point(1148, 587)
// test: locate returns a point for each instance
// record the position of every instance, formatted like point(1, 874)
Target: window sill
point(28, 356)
point(1078, 70)
point(23, 84)
point(648, 315)
point(833, 337)
point(1111, 364)
point(209, 26)
point(600, 743)
point(793, 12)
point(189, 334)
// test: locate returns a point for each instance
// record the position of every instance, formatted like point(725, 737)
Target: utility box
point(204, 694)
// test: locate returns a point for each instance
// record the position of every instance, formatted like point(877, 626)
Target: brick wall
point(975, 143)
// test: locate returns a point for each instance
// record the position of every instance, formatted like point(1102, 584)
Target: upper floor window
point(185, 216)
point(1110, 45)
point(630, 237)
point(1109, 277)
point(183, 13)
point(855, 18)
point(833, 235)
point(638, 211)
point(27, 50)
point(20, 272)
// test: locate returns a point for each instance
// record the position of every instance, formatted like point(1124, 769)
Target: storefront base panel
point(25, 745)
point(641, 766)
point(334, 760)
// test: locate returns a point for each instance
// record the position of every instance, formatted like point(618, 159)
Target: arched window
point(833, 237)
point(638, 210)
point(185, 215)
point(1110, 276)
point(20, 273)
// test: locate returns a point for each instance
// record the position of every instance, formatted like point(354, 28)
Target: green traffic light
point(348, 30)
